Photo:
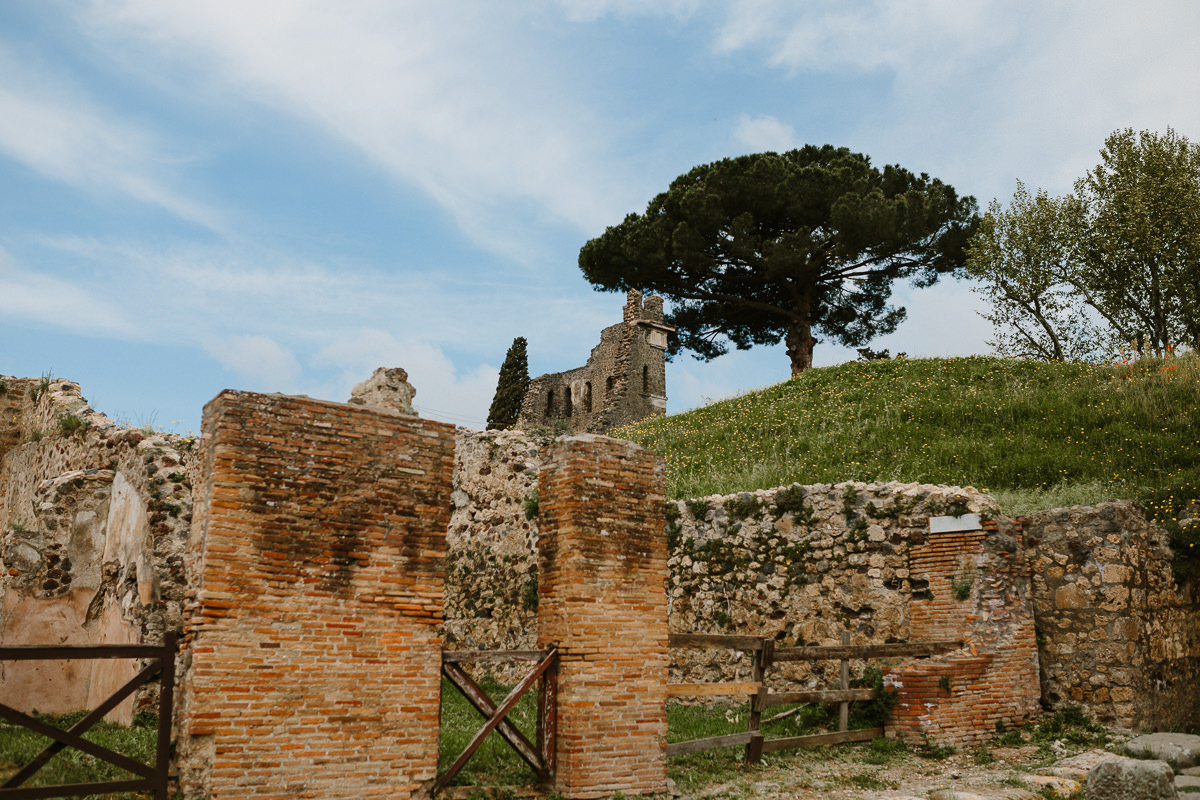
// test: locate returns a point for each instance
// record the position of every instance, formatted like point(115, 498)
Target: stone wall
point(492, 579)
point(623, 381)
point(1118, 636)
point(93, 524)
point(1115, 635)
point(313, 663)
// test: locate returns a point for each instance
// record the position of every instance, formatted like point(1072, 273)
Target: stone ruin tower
point(624, 380)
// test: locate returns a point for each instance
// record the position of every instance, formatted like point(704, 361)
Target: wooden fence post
point(762, 661)
point(844, 706)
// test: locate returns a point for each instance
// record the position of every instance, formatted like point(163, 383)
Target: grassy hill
point(1035, 435)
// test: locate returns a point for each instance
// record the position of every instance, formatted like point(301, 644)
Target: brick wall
point(602, 602)
point(314, 655)
point(978, 591)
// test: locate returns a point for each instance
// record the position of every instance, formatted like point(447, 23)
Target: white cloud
point(259, 360)
point(591, 10)
point(763, 134)
point(442, 393)
point(943, 321)
point(454, 98)
point(54, 129)
point(982, 93)
point(58, 303)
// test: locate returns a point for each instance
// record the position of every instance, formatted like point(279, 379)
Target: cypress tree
point(511, 388)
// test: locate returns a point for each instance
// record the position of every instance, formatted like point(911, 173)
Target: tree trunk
point(800, 343)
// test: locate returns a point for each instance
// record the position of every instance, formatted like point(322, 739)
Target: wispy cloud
point(259, 360)
point(56, 130)
point(766, 133)
point(47, 300)
point(454, 99)
point(443, 392)
point(1033, 84)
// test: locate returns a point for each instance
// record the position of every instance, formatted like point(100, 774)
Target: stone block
point(1180, 750)
point(1131, 779)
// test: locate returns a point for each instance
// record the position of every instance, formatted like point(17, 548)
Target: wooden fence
point(150, 778)
point(539, 754)
point(765, 654)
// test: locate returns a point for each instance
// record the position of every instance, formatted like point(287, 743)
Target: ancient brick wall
point(623, 381)
point(602, 602)
point(313, 638)
point(979, 592)
point(93, 523)
point(1119, 636)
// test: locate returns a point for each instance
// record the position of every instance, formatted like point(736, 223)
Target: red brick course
point(962, 698)
point(313, 666)
point(602, 602)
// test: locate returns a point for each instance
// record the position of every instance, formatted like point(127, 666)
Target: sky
point(282, 196)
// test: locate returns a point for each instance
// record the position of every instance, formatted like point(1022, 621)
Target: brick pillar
point(312, 652)
point(602, 601)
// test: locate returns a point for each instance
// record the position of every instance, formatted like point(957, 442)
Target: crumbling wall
point(1118, 635)
point(801, 564)
point(93, 522)
point(979, 593)
point(492, 577)
point(623, 381)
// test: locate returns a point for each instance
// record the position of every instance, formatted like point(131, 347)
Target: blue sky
point(282, 196)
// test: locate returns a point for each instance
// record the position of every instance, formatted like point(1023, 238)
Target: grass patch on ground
point(495, 763)
point(19, 745)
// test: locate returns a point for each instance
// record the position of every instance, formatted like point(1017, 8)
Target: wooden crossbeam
point(712, 689)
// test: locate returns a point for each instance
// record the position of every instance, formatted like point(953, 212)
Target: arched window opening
point(550, 403)
point(608, 386)
point(646, 379)
point(567, 393)
point(587, 397)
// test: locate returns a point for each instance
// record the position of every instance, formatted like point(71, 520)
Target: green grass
point(18, 746)
point(495, 763)
point(1033, 434)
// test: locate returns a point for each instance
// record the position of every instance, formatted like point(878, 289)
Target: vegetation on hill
point(1035, 435)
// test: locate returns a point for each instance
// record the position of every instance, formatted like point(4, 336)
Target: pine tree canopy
point(772, 247)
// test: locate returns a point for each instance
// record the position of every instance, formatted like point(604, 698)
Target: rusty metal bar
point(166, 706)
point(85, 652)
point(81, 727)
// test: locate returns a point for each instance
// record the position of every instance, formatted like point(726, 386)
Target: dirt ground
point(863, 772)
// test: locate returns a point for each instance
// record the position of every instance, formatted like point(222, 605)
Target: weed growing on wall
point(3, 388)
point(530, 504)
point(40, 388)
point(70, 424)
point(961, 585)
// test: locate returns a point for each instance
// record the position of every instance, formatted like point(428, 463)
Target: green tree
point(510, 388)
point(1027, 258)
point(774, 247)
point(1142, 246)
